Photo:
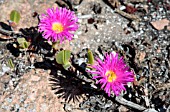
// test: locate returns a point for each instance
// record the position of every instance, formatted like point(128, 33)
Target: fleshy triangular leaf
point(90, 57)
point(60, 57)
point(23, 43)
point(15, 16)
point(67, 55)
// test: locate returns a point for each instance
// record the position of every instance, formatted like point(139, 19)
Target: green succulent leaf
point(26, 44)
point(63, 57)
point(15, 16)
point(90, 57)
point(11, 64)
point(67, 65)
point(23, 44)
point(67, 56)
point(59, 57)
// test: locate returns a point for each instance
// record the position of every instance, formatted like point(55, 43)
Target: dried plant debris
point(98, 103)
point(75, 2)
point(160, 24)
point(114, 3)
point(134, 1)
point(129, 16)
point(64, 3)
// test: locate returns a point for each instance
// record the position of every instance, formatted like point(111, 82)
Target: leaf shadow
point(5, 26)
point(37, 45)
point(14, 51)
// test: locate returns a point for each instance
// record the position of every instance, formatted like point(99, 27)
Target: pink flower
point(58, 24)
point(112, 73)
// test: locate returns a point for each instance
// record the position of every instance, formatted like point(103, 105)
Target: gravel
point(145, 49)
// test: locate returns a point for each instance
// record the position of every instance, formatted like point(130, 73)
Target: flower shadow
point(65, 83)
point(66, 86)
point(35, 38)
point(37, 45)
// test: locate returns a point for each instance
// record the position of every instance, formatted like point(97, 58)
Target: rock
point(141, 56)
point(150, 110)
point(32, 96)
point(35, 78)
point(67, 108)
point(5, 69)
point(76, 2)
point(160, 24)
point(5, 78)
point(2, 86)
point(168, 27)
point(44, 107)
point(122, 108)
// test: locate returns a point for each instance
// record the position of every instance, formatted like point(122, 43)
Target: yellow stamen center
point(111, 76)
point(57, 27)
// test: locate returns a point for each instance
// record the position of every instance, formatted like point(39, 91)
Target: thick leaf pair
point(63, 58)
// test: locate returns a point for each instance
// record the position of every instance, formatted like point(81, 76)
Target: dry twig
point(129, 16)
point(134, 1)
point(123, 101)
point(114, 3)
point(162, 87)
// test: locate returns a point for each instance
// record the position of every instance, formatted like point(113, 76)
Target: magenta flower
point(58, 24)
point(112, 73)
